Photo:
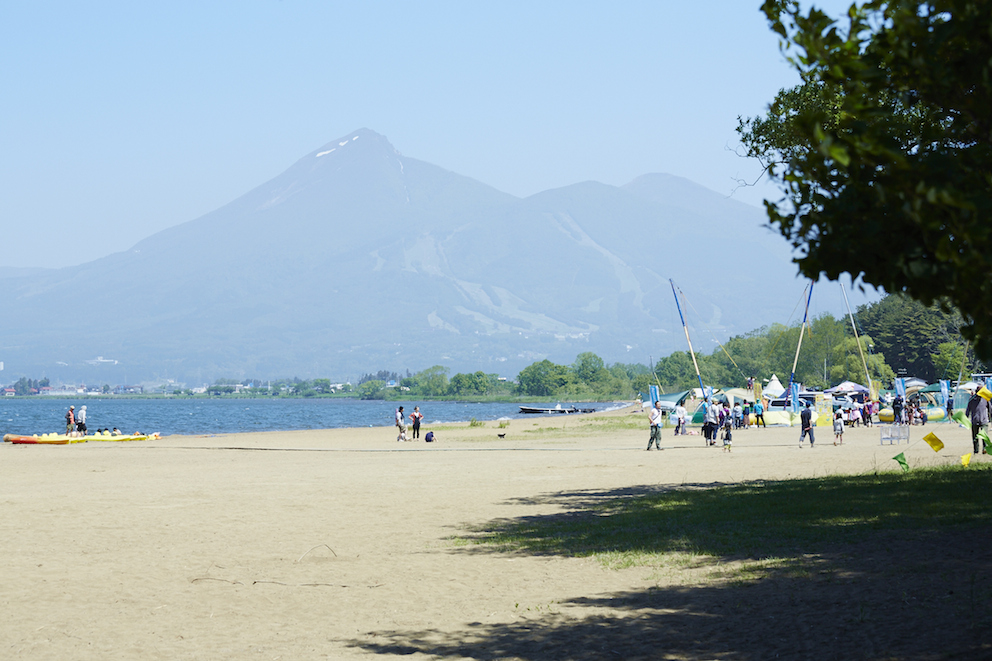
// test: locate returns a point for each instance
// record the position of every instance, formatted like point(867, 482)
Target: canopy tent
point(846, 388)
point(773, 388)
point(675, 398)
point(735, 395)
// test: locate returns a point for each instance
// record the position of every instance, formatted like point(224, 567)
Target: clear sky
point(119, 119)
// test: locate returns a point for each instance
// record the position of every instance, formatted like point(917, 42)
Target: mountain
point(358, 258)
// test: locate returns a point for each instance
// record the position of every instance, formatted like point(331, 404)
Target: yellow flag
point(965, 459)
point(985, 393)
point(934, 442)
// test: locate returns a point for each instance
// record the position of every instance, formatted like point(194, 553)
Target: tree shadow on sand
point(884, 566)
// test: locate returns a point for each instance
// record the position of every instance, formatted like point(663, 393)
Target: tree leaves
point(884, 154)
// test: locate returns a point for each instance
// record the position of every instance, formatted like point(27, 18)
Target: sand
point(341, 544)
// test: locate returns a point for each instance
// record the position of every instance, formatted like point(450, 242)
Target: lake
point(38, 415)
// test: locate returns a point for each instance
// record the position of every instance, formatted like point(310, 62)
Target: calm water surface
point(215, 416)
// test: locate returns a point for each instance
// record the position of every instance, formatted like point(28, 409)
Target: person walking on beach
point(759, 414)
point(656, 420)
point(806, 421)
point(70, 420)
point(680, 416)
point(839, 428)
point(415, 419)
point(711, 422)
point(401, 423)
point(979, 410)
point(81, 420)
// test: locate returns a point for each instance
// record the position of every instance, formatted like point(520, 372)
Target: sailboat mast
point(799, 345)
point(688, 341)
point(871, 388)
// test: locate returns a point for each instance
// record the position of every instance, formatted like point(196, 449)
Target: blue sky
point(121, 119)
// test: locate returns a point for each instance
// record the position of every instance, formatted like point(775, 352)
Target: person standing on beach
point(415, 419)
point(81, 420)
point(656, 419)
point(806, 421)
point(979, 410)
point(70, 420)
point(401, 423)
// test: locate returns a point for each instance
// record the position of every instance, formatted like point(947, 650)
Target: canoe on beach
point(42, 440)
point(62, 439)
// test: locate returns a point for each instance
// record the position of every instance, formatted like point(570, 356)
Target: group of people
point(913, 413)
point(415, 419)
point(717, 416)
point(75, 423)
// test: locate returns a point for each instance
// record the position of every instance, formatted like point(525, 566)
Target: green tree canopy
point(543, 378)
point(884, 154)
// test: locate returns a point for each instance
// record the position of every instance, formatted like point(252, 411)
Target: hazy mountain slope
point(357, 258)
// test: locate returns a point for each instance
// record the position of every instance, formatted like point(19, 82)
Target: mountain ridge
point(357, 258)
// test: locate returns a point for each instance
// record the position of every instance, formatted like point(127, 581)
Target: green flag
point(983, 436)
point(959, 417)
point(901, 458)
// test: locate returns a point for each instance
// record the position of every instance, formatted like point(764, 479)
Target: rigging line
point(686, 329)
point(792, 376)
point(744, 376)
point(782, 334)
point(857, 339)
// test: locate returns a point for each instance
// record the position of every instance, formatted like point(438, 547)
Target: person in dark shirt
point(806, 419)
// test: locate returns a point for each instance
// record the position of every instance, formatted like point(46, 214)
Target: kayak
point(62, 439)
point(45, 439)
point(119, 437)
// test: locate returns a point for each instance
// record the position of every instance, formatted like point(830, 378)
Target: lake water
point(38, 415)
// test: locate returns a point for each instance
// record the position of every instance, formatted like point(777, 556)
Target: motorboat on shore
point(552, 410)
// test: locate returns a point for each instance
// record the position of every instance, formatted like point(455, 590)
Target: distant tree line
point(897, 336)
point(24, 385)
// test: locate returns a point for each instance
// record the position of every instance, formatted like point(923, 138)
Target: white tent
point(773, 388)
point(846, 388)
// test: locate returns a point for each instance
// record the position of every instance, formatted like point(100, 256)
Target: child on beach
point(728, 426)
point(839, 427)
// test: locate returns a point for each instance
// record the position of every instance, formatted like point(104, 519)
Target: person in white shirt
point(657, 420)
point(401, 423)
point(680, 416)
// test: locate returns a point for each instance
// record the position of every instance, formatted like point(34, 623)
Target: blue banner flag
point(653, 394)
point(794, 397)
point(945, 391)
point(901, 387)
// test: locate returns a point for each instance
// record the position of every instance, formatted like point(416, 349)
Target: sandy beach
point(344, 544)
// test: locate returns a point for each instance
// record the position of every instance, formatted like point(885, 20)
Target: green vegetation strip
point(759, 520)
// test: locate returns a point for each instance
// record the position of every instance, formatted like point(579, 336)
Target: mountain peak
point(362, 136)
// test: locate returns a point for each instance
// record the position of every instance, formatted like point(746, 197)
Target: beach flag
point(654, 394)
point(934, 442)
point(983, 436)
point(945, 390)
point(985, 393)
point(900, 385)
point(960, 417)
point(901, 458)
point(965, 459)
